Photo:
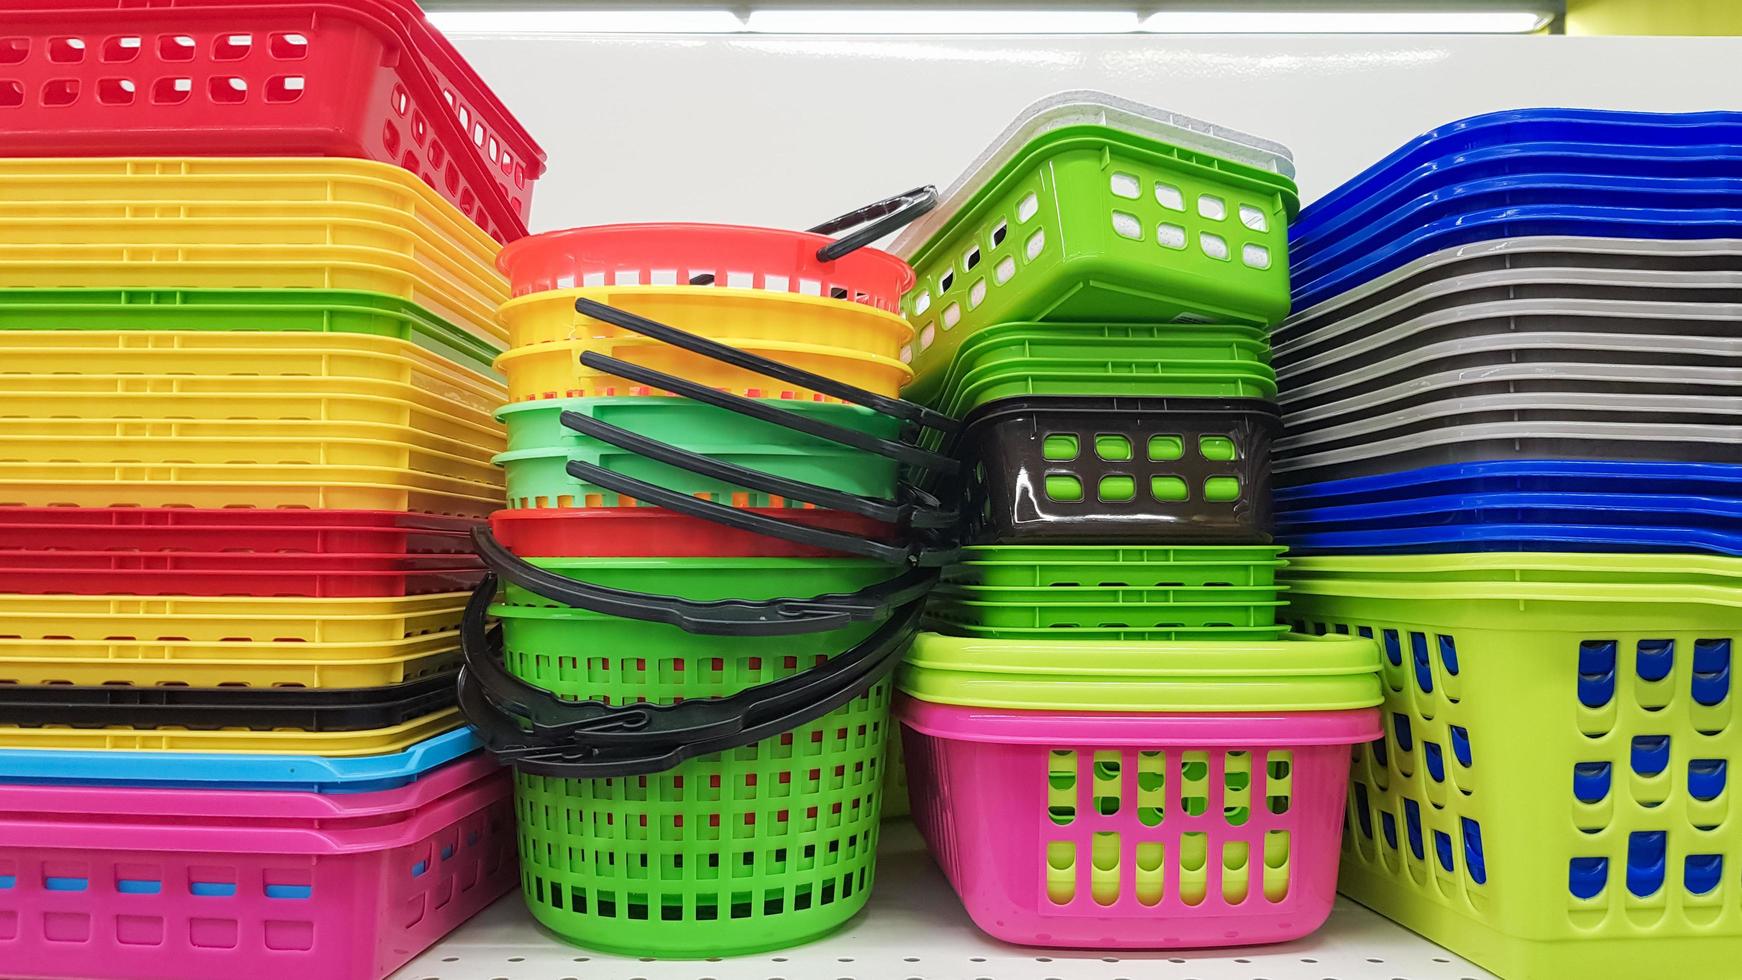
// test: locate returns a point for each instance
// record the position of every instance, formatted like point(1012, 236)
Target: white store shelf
point(914, 929)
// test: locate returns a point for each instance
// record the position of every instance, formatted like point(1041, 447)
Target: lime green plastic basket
point(1551, 797)
point(269, 310)
point(1091, 225)
point(759, 848)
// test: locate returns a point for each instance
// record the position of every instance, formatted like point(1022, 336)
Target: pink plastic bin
point(1134, 831)
point(233, 885)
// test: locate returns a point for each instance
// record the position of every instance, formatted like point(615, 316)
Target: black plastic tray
point(208, 709)
point(1025, 458)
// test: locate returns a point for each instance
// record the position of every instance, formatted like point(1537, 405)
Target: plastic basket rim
point(511, 251)
point(1682, 434)
point(1621, 563)
point(1521, 536)
point(1505, 469)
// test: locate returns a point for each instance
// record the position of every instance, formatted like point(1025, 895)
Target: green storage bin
point(1242, 567)
point(1551, 798)
point(269, 310)
point(1088, 224)
point(755, 849)
point(540, 447)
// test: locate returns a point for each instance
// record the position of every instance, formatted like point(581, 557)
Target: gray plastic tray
point(1516, 440)
point(1672, 322)
point(1570, 284)
point(1546, 377)
point(1542, 253)
point(1084, 107)
point(1646, 356)
point(1522, 407)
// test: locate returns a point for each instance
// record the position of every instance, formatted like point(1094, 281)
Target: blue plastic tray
point(1516, 537)
point(214, 770)
point(1512, 127)
point(1516, 222)
point(1318, 223)
point(1674, 510)
point(1313, 257)
point(1522, 476)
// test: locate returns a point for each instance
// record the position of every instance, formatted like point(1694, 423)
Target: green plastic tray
point(942, 618)
point(1136, 379)
point(272, 310)
point(1550, 798)
point(1294, 673)
point(759, 848)
point(1070, 230)
point(540, 447)
point(1062, 612)
point(1108, 346)
point(1117, 566)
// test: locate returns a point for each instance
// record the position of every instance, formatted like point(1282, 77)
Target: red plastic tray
point(262, 78)
point(649, 532)
point(329, 576)
point(240, 529)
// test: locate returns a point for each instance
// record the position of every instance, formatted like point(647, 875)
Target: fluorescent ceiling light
point(587, 21)
point(1345, 22)
point(943, 21)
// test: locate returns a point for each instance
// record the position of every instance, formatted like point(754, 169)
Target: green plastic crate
point(540, 447)
point(1070, 610)
point(1551, 798)
point(759, 848)
point(1091, 225)
point(1243, 567)
point(270, 310)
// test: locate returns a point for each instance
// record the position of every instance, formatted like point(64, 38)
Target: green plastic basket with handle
point(1551, 797)
point(743, 851)
point(1089, 224)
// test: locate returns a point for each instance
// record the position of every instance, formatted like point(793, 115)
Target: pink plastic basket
point(275, 78)
point(1122, 831)
point(220, 884)
point(733, 256)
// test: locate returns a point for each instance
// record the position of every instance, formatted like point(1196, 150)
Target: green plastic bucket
point(270, 310)
point(1091, 225)
point(540, 447)
point(755, 849)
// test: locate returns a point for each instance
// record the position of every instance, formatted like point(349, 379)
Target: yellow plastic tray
point(147, 264)
point(716, 312)
point(212, 398)
point(202, 619)
point(554, 369)
point(241, 485)
point(250, 354)
point(311, 665)
point(431, 433)
point(471, 474)
point(218, 182)
point(379, 741)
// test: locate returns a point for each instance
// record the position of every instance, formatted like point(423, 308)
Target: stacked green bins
point(1094, 303)
point(694, 584)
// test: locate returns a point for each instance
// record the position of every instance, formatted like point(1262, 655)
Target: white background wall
point(788, 131)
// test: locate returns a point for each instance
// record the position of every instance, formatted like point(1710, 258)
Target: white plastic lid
point(1086, 107)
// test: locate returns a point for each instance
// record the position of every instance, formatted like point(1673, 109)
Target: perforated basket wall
point(1115, 470)
point(1550, 798)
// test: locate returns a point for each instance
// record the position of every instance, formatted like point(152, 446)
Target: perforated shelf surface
point(913, 929)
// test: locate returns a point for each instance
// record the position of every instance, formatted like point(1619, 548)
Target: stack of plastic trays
point(1094, 302)
point(1512, 405)
point(702, 436)
point(245, 430)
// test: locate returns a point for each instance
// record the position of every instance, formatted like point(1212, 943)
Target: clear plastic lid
point(1086, 107)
